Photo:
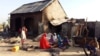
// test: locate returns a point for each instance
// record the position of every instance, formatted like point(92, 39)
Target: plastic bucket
point(15, 48)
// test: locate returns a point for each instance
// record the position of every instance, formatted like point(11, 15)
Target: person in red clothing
point(44, 43)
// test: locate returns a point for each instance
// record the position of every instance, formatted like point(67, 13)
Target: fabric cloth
point(65, 42)
point(60, 41)
point(92, 50)
point(23, 37)
point(98, 51)
point(23, 34)
point(51, 39)
point(49, 36)
point(44, 43)
point(55, 37)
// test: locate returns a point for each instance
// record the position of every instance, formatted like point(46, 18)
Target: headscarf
point(44, 43)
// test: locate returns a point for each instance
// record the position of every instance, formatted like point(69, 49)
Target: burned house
point(38, 17)
point(94, 29)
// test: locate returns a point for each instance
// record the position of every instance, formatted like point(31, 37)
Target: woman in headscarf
point(60, 41)
point(44, 43)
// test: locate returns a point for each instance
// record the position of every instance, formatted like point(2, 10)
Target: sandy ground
point(4, 51)
point(37, 53)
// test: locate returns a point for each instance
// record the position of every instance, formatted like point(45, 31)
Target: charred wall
point(30, 20)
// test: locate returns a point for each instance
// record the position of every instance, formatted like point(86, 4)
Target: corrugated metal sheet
point(32, 7)
point(97, 29)
point(91, 29)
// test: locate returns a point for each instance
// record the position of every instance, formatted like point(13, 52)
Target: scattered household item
point(15, 48)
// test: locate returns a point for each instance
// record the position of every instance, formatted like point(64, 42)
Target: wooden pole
point(85, 39)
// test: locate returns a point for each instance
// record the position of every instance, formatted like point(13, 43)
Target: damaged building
point(38, 17)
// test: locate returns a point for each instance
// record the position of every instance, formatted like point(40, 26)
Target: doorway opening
point(17, 24)
point(28, 23)
point(56, 29)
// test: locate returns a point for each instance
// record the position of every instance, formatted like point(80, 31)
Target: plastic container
point(15, 48)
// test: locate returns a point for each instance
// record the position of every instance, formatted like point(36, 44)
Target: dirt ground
point(4, 51)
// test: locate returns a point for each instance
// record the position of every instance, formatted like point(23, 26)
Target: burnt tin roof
point(32, 7)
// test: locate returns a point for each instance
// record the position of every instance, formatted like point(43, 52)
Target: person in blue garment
point(60, 41)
